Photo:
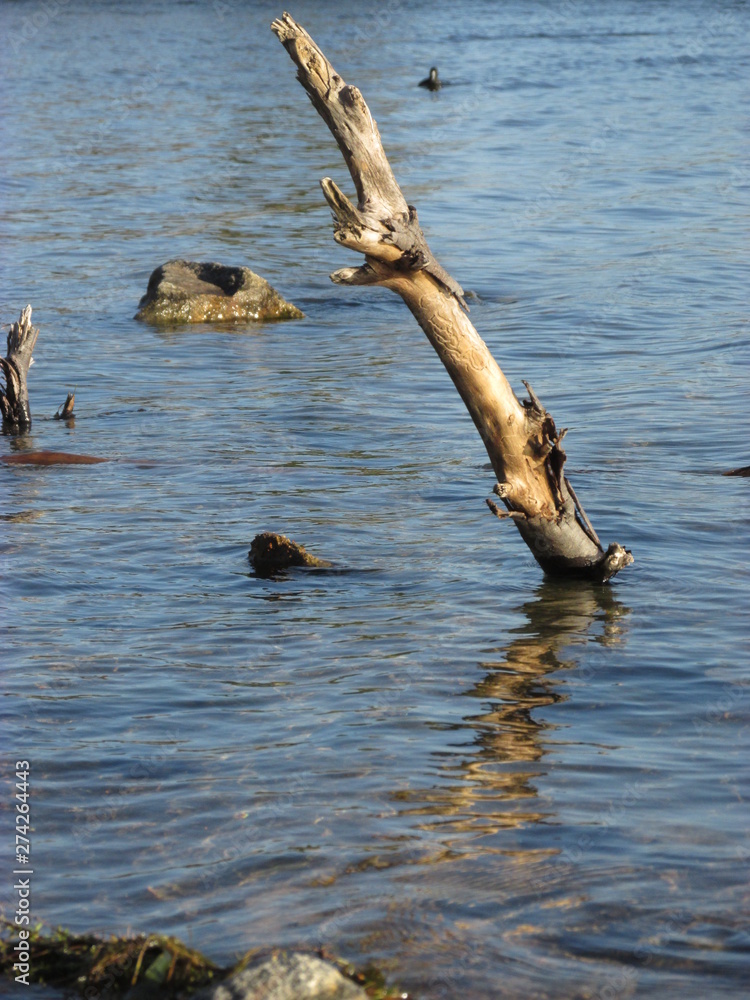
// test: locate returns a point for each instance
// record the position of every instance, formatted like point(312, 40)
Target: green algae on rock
point(184, 291)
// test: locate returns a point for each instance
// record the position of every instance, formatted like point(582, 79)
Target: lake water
point(491, 784)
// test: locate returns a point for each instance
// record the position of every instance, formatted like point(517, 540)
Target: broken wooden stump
point(521, 438)
point(270, 553)
point(14, 398)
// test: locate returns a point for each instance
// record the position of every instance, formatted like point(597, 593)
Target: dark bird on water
point(431, 82)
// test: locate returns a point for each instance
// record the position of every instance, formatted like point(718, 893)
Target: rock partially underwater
point(50, 458)
point(270, 553)
point(183, 291)
point(286, 976)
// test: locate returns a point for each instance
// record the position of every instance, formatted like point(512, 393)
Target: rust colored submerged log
point(50, 458)
point(520, 437)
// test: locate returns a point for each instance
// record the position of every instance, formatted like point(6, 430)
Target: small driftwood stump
point(14, 398)
point(521, 439)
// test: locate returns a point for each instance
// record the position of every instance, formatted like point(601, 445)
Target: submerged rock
point(183, 291)
point(270, 553)
point(286, 976)
point(50, 458)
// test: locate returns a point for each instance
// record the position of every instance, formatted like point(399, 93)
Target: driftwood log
point(520, 437)
point(14, 397)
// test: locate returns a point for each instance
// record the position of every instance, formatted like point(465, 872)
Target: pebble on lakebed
point(184, 291)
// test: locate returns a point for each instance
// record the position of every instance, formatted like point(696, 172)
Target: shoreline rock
point(184, 291)
point(49, 458)
point(286, 976)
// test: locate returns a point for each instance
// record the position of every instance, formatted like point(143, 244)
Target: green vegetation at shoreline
point(143, 966)
point(109, 966)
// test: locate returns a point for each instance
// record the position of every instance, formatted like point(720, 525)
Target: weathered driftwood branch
point(521, 438)
point(14, 398)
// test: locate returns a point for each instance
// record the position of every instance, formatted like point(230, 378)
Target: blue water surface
point(491, 784)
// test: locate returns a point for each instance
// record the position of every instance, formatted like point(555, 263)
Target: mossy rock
point(270, 553)
point(184, 291)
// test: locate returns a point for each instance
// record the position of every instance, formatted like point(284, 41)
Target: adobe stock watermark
point(721, 708)
point(120, 109)
point(144, 769)
point(380, 19)
point(738, 179)
point(550, 196)
point(720, 24)
point(22, 873)
point(41, 18)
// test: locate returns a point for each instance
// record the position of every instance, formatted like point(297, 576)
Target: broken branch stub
point(14, 398)
point(521, 438)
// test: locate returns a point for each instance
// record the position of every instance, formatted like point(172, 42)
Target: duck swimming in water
point(431, 82)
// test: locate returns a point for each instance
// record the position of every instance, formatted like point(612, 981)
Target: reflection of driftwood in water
point(559, 617)
point(14, 398)
point(521, 438)
point(492, 785)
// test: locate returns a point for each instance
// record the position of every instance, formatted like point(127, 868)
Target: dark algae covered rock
point(270, 553)
point(184, 291)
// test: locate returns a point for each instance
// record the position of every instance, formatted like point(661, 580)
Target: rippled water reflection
point(492, 784)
